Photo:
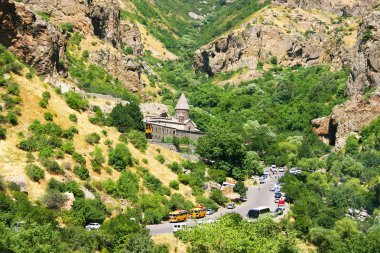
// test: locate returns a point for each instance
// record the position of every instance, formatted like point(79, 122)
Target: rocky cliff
point(361, 108)
point(101, 18)
point(365, 69)
point(293, 36)
point(35, 41)
point(34, 31)
point(338, 7)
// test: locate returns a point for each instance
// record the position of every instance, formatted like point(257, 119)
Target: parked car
point(299, 170)
point(243, 198)
point(273, 188)
point(293, 171)
point(281, 169)
point(277, 195)
point(278, 211)
point(281, 202)
point(179, 226)
point(92, 226)
point(210, 211)
point(262, 180)
point(231, 206)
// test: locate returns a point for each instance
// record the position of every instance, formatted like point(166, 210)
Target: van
point(255, 213)
point(179, 226)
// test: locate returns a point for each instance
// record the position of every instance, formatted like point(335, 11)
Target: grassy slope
point(13, 160)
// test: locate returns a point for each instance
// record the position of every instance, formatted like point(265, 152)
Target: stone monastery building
point(180, 126)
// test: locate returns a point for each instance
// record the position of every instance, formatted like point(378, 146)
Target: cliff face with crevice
point(362, 107)
point(38, 43)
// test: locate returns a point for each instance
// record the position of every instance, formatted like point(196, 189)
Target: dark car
point(278, 195)
point(278, 211)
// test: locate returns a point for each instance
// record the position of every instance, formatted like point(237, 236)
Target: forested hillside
point(292, 84)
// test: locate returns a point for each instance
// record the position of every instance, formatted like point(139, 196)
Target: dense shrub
point(97, 159)
point(128, 186)
point(127, 117)
point(52, 166)
point(120, 157)
point(76, 102)
point(3, 133)
point(79, 158)
point(175, 167)
point(54, 199)
point(93, 138)
point(73, 118)
point(34, 172)
point(68, 147)
point(89, 210)
point(174, 184)
point(70, 186)
point(48, 116)
point(81, 172)
point(218, 197)
point(138, 140)
point(160, 158)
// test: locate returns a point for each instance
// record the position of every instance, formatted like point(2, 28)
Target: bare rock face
point(358, 111)
point(120, 66)
point(260, 43)
point(38, 43)
point(100, 18)
point(131, 37)
point(75, 12)
point(347, 118)
point(338, 7)
point(105, 19)
point(365, 68)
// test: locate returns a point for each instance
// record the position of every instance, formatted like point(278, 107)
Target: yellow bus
point(178, 215)
point(198, 212)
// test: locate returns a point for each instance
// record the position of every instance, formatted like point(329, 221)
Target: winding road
point(256, 196)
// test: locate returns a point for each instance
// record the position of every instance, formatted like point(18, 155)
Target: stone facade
point(180, 126)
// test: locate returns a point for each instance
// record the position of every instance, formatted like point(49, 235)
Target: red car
point(281, 202)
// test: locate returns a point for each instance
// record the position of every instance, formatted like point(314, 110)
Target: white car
point(179, 226)
point(293, 171)
point(281, 169)
point(209, 211)
point(231, 206)
point(92, 226)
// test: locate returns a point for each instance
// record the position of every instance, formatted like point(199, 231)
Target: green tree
point(218, 197)
point(120, 157)
point(89, 210)
point(240, 188)
point(127, 117)
point(223, 147)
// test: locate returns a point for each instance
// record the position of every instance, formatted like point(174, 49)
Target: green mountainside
point(73, 143)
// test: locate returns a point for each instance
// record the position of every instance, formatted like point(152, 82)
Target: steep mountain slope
point(289, 36)
point(363, 85)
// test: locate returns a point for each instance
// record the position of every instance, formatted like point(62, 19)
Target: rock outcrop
point(105, 19)
point(35, 41)
point(365, 68)
point(294, 37)
point(120, 66)
point(338, 7)
point(131, 37)
point(347, 118)
point(101, 18)
point(360, 109)
point(58, 12)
